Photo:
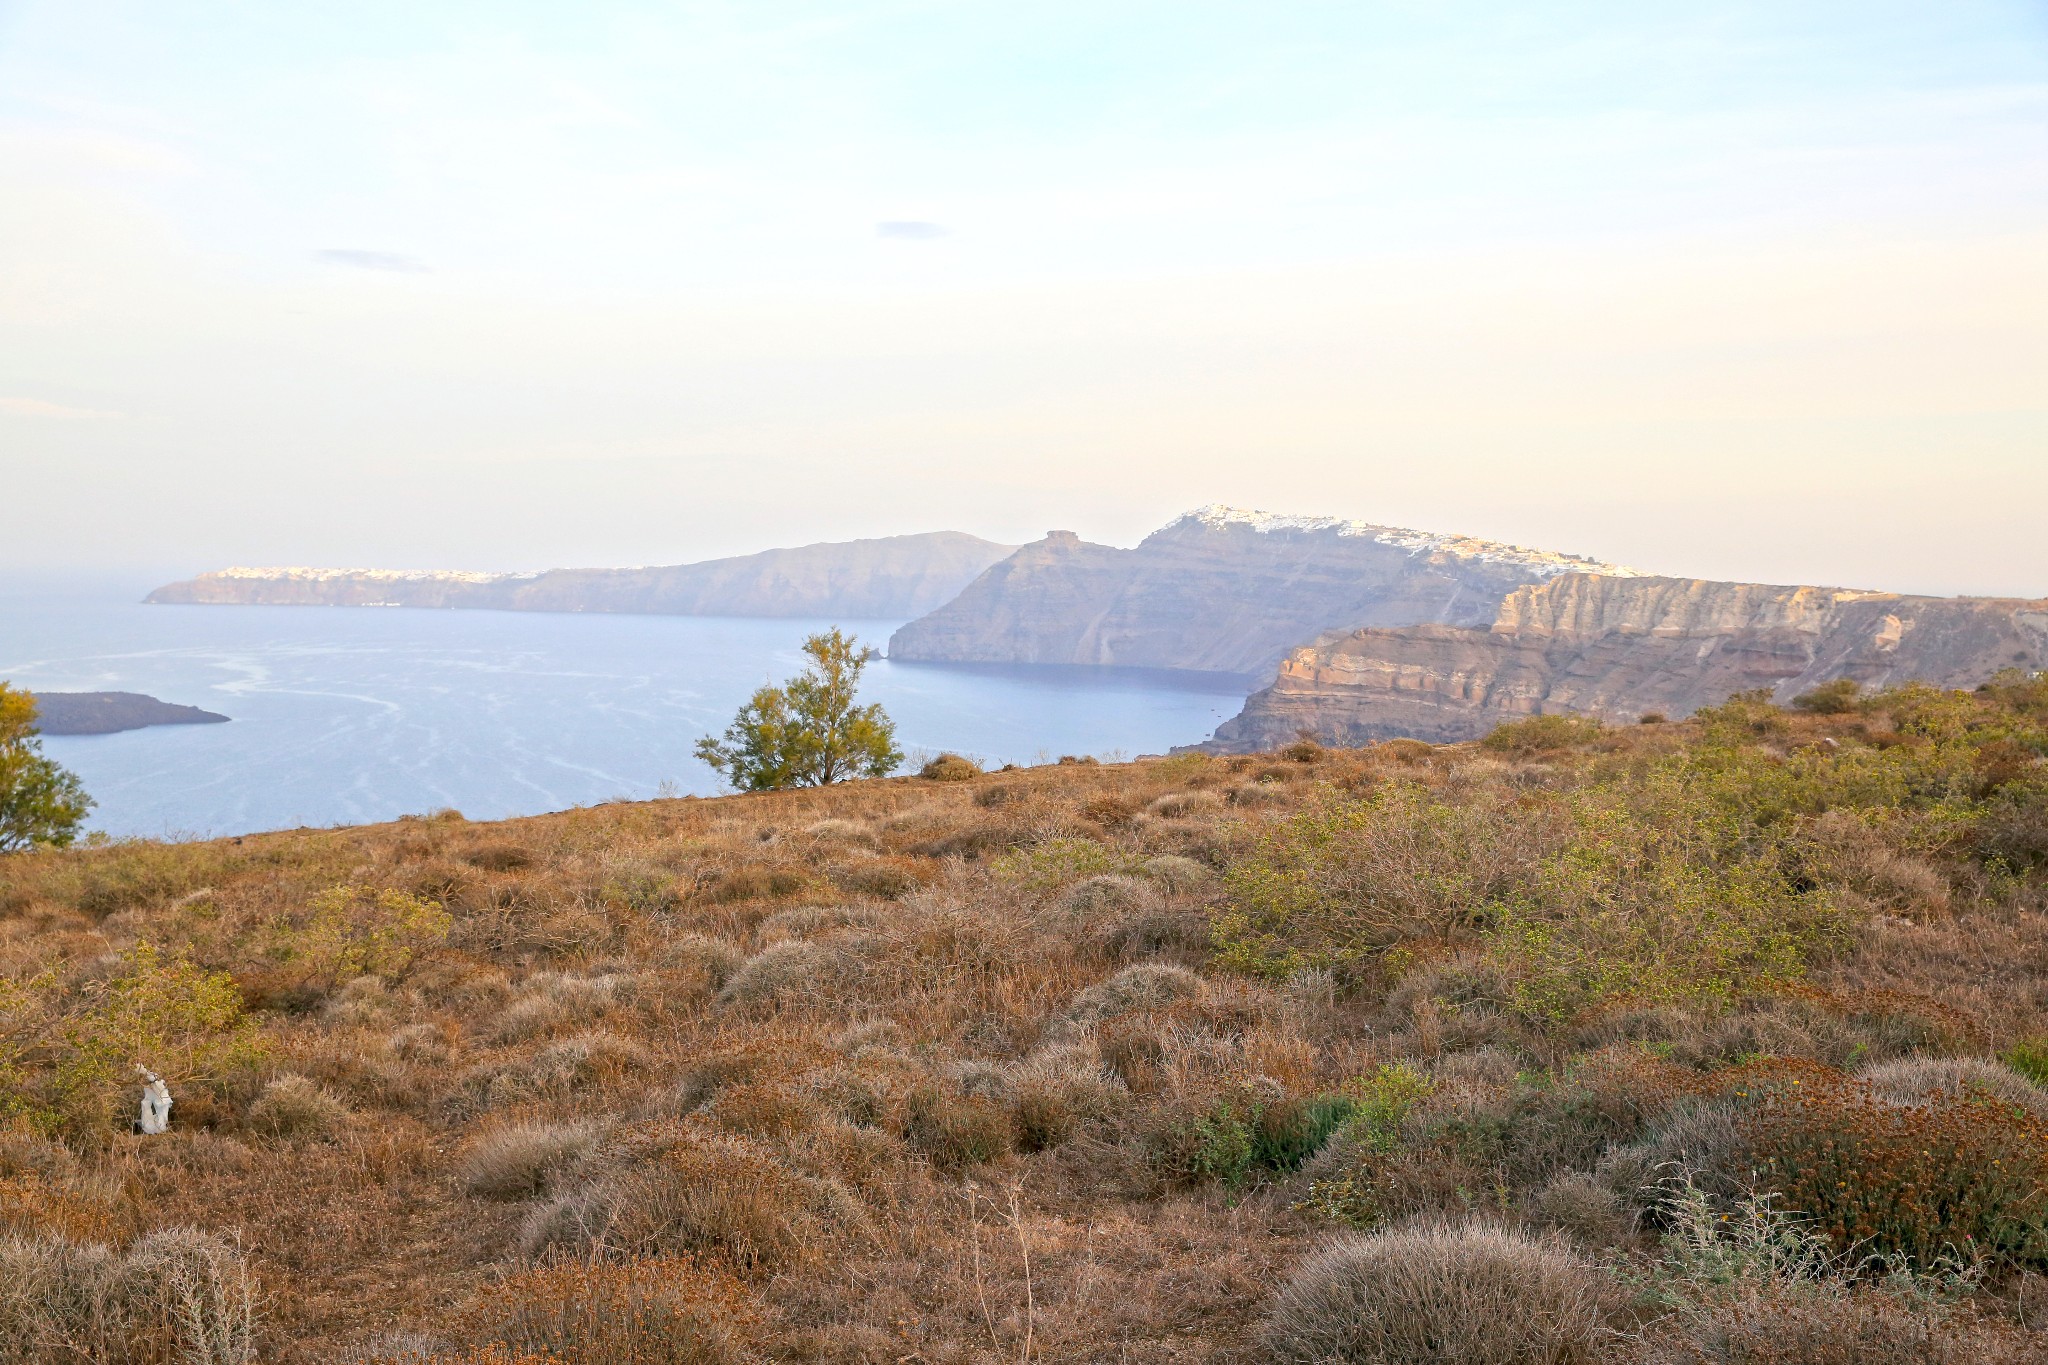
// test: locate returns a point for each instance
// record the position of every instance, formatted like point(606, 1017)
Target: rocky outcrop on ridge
point(1220, 590)
point(894, 576)
point(1620, 647)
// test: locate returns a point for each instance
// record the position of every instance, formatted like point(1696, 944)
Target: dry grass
point(177, 1295)
point(1079, 1062)
point(1436, 1294)
point(296, 1109)
point(520, 1160)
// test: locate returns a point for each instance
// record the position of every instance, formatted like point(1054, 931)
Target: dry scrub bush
point(840, 830)
point(1107, 894)
point(178, 1296)
point(1915, 1080)
point(1177, 875)
point(1057, 1091)
point(664, 1311)
point(813, 921)
point(522, 1159)
point(573, 1063)
point(296, 1109)
point(1946, 1178)
point(786, 970)
point(1805, 1324)
point(712, 959)
point(956, 1125)
point(950, 768)
point(1437, 1294)
point(1183, 805)
point(1147, 985)
point(547, 1001)
point(692, 1194)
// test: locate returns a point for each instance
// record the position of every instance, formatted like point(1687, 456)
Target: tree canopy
point(808, 732)
point(40, 802)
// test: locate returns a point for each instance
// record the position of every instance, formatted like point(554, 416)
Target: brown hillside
point(1185, 1059)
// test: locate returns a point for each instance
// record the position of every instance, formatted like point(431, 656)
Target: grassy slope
point(876, 1057)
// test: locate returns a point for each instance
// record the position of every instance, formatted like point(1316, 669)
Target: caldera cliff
point(1618, 648)
point(1220, 590)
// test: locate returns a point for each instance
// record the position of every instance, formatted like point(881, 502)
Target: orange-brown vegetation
point(1715, 1040)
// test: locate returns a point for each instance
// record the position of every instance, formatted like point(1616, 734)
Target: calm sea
point(342, 716)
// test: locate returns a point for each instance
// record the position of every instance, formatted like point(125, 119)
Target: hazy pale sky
point(1753, 290)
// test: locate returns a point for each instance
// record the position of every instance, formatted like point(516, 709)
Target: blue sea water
point(350, 715)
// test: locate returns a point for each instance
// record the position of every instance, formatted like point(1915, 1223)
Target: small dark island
point(105, 713)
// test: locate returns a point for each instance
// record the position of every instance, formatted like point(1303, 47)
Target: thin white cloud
point(37, 407)
point(909, 229)
point(372, 260)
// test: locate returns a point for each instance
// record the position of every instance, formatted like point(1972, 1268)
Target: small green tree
point(40, 801)
point(808, 732)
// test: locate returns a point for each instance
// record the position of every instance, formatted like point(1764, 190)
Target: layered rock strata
point(1617, 648)
point(1221, 590)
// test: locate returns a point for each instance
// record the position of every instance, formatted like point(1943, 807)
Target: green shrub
point(1830, 698)
point(2029, 1057)
point(1246, 1132)
point(1369, 1133)
point(351, 931)
point(41, 802)
point(182, 1022)
point(1344, 878)
point(1657, 895)
point(1541, 735)
point(1054, 863)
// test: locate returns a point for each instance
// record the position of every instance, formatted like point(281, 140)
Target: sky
point(1737, 290)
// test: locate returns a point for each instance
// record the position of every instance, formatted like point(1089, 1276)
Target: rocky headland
point(1221, 590)
point(1619, 648)
point(892, 576)
point(106, 713)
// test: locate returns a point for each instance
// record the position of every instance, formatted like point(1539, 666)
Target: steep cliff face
point(1220, 590)
point(1619, 647)
point(894, 576)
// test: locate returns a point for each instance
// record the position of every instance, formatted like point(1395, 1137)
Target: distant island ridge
point(1347, 630)
point(106, 713)
point(892, 577)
